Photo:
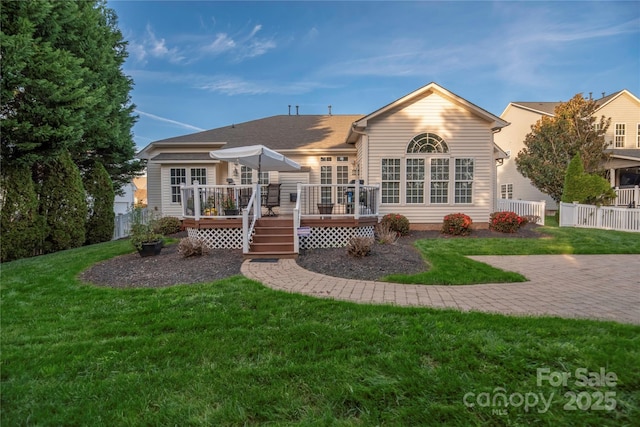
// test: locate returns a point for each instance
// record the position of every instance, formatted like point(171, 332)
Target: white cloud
point(232, 86)
point(222, 43)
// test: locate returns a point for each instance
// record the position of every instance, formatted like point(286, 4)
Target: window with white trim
point(342, 177)
point(506, 191)
point(178, 177)
point(618, 137)
point(200, 175)
point(439, 185)
point(415, 181)
point(463, 192)
point(246, 175)
point(326, 178)
point(390, 180)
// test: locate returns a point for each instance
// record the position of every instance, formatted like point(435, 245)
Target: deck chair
point(244, 197)
point(273, 198)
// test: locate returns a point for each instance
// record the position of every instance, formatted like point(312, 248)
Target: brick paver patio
point(604, 287)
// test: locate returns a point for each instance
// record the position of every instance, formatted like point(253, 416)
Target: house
point(425, 155)
point(623, 136)
point(431, 151)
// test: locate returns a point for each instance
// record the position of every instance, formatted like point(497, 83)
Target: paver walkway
point(605, 287)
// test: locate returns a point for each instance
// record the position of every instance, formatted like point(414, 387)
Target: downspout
point(494, 201)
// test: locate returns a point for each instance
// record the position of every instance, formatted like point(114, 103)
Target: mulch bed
point(170, 268)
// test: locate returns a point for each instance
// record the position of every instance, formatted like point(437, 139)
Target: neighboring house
point(623, 136)
point(431, 151)
point(123, 203)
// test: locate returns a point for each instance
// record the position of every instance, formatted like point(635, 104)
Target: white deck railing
point(211, 200)
point(338, 200)
point(627, 196)
point(524, 208)
point(604, 217)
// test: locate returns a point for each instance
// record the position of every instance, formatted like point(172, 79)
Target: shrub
point(396, 222)
point(63, 204)
point(359, 247)
point(506, 222)
point(457, 224)
point(20, 224)
point(191, 247)
point(100, 200)
point(168, 225)
point(385, 234)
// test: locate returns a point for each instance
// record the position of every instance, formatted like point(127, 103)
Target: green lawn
point(236, 353)
point(448, 265)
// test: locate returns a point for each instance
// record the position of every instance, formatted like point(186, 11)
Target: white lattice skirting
point(218, 238)
point(333, 237)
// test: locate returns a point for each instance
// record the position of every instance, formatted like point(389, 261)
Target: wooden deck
point(208, 223)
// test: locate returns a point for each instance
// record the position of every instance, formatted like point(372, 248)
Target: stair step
point(277, 255)
point(273, 230)
point(266, 247)
point(273, 238)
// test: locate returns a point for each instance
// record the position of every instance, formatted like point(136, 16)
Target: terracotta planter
point(151, 249)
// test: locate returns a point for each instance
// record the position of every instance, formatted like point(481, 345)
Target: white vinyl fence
point(122, 224)
point(604, 217)
point(524, 208)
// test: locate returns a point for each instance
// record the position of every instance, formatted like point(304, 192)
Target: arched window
point(427, 143)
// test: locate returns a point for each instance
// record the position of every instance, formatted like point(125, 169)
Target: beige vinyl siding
point(466, 135)
point(175, 209)
point(154, 187)
point(625, 110)
point(511, 139)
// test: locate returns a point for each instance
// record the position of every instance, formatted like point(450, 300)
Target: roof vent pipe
point(297, 109)
point(289, 109)
point(329, 109)
point(603, 94)
point(590, 96)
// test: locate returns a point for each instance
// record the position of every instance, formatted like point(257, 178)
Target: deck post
point(196, 199)
point(636, 196)
point(356, 201)
point(296, 220)
point(245, 231)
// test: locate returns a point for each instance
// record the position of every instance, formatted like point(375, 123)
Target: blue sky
point(202, 64)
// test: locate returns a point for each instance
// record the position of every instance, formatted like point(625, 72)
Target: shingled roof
point(284, 132)
point(549, 107)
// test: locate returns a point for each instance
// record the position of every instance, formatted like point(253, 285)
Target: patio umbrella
point(256, 157)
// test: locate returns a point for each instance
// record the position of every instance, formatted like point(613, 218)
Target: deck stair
point(272, 238)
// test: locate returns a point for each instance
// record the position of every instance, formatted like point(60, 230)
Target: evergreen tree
point(20, 225)
point(100, 199)
point(585, 188)
point(63, 88)
point(553, 141)
point(571, 191)
point(63, 204)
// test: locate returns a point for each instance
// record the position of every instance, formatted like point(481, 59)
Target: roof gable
point(361, 124)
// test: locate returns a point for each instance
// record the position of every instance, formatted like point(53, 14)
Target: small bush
point(385, 234)
point(457, 224)
point(396, 222)
point(506, 222)
point(168, 225)
point(359, 247)
point(191, 247)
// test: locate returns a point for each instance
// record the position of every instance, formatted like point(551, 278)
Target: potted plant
point(143, 235)
point(229, 206)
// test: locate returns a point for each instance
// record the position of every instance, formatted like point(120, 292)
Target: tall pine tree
point(100, 200)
